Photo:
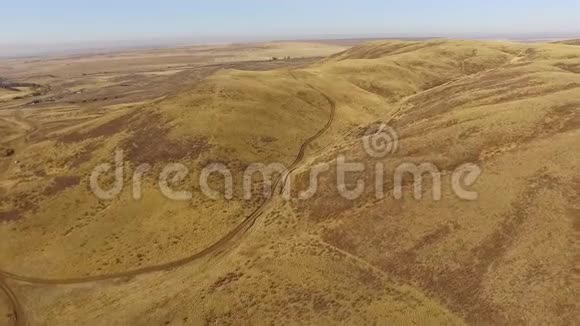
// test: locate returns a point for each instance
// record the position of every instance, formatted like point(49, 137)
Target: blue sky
point(42, 21)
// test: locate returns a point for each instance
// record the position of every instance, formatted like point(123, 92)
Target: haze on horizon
point(40, 26)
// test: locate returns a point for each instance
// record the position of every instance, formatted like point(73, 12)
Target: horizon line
point(31, 49)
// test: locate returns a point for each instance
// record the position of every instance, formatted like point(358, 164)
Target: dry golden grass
point(511, 108)
point(491, 260)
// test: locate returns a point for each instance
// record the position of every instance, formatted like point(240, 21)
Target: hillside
point(570, 42)
point(512, 109)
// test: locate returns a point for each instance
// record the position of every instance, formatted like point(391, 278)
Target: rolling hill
point(512, 109)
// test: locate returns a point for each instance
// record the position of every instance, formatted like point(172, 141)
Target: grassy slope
point(492, 259)
point(510, 107)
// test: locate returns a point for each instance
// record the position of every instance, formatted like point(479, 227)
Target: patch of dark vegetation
point(327, 202)
point(96, 99)
point(226, 280)
point(574, 208)
point(10, 216)
point(569, 42)
point(37, 89)
point(268, 139)
point(364, 130)
point(21, 204)
point(10, 85)
point(383, 92)
point(469, 132)
point(6, 152)
point(150, 142)
point(527, 94)
point(561, 119)
point(574, 68)
point(61, 183)
point(106, 129)
point(530, 52)
point(83, 156)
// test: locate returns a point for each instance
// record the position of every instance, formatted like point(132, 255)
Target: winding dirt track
point(218, 247)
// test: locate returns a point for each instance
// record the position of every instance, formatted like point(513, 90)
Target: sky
point(34, 22)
